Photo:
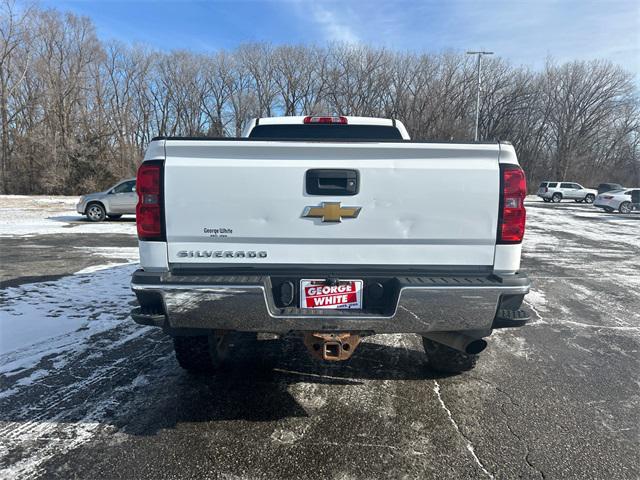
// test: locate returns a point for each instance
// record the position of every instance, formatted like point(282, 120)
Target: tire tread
point(194, 353)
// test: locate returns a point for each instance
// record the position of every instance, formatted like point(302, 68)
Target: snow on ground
point(593, 257)
point(38, 318)
point(42, 318)
point(38, 215)
point(53, 329)
point(570, 235)
point(61, 416)
point(130, 253)
point(585, 221)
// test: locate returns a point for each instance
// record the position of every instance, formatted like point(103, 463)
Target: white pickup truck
point(330, 228)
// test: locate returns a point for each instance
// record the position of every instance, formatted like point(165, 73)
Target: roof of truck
point(294, 120)
point(299, 119)
point(349, 120)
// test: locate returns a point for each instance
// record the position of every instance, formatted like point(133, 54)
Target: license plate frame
point(345, 294)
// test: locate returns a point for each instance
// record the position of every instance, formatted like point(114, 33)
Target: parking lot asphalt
point(559, 398)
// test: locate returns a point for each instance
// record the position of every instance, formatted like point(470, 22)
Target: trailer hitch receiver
point(332, 347)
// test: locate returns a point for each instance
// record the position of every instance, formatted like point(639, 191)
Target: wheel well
point(95, 202)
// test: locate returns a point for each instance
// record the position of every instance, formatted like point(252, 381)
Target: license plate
point(343, 294)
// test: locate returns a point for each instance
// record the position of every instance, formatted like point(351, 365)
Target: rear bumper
point(418, 304)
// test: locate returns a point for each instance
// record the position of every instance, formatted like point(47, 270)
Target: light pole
point(479, 54)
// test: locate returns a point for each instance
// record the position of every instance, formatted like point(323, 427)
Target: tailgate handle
point(339, 182)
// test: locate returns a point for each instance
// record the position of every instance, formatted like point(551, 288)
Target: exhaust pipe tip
point(458, 341)
point(475, 347)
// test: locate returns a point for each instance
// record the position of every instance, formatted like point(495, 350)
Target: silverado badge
point(331, 212)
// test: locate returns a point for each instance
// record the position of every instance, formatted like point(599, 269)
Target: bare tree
point(15, 44)
point(256, 59)
point(218, 81)
point(77, 113)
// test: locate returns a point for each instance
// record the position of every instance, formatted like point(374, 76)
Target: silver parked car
point(621, 200)
point(121, 199)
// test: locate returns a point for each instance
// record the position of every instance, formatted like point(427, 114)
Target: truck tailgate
point(422, 204)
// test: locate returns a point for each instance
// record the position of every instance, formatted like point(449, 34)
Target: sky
point(525, 32)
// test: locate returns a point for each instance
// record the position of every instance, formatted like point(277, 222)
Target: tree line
point(78, 112)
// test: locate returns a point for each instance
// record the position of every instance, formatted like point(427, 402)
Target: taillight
point(338, 120)
point(149, 209)
point(546, 189)
point(512, 215)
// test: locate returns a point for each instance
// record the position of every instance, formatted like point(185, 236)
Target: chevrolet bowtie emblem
point(331, 212)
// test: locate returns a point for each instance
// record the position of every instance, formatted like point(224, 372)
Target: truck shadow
point(265, 384)
point(140, 389)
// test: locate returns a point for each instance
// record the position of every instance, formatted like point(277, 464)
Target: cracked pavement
point(559, 398)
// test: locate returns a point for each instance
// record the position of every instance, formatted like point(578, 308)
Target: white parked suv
point(558, 191)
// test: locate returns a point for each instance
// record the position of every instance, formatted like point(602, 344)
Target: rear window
point(543, 184)
point(326, 132)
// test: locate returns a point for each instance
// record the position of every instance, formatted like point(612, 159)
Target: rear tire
point(95, 212)
point(590, 198)
point(556, 198)
point(199, 353)
point(546, 200)
point(446, 359)
point(625, 207)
